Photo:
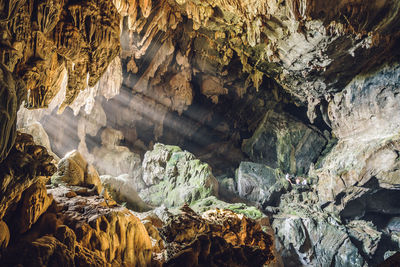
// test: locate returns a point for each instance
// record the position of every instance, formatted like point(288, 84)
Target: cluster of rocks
point(70, 224)
point(216, 238)
point(52, 216)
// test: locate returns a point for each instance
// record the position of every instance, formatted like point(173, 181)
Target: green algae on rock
point(175, 177)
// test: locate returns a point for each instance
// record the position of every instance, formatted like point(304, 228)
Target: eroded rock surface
point(204, 75)
point(280, 141)
point(217, 237)
point(74, 170)
point(28, 166)
point(260, 183)
point(175, 177)
point(69, 224)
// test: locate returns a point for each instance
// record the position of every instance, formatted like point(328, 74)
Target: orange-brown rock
point(34, 203)
point(28, 165)
point(46, 40)
point(4, 235)
point(217, 237)
point(112, 232)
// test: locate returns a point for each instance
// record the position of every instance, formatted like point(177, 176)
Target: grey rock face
point(281, 141)
point(113, 159)
point(309, 237)
point(394, 224)
point(259, 183)
point(364, 118)
point(366, 235)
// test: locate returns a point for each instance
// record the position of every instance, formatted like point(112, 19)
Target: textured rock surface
point(29, 164)
point(205, 75)
point(123, 190)
point(34, 203)
point(74, 170)
point(112, 232)
point(308, 236)
point(41, 42)
point(259, 183)
point(113, 159)
point(9, 92)
point(39, 135)
point(282, 142)
point(298, 37)
point(4, 236)
point(65, 225)
point(218, 237)
point(367, 151)
point(175, 177)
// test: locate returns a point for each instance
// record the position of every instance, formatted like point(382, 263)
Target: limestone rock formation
point(282, 142)
point(9, 92)
point(217, 237)
point(308, 88)
point(74, 170)
point(175, 177)
point(34, 203)
point(39, 135)
point(362, 118)
point(259, 183)
point(123, 189)
point(308, 236)
point(5, 235)
point(113, 159)
point(69, 225)
point(113, 233)
point(28, 166)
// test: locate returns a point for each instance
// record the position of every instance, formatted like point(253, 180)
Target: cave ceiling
point(172, 51)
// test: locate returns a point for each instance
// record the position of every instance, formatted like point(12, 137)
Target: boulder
point(122, 189)
point(175, 177)
point(227, 187)
point(313, 241)
point(282, 141)
point(308, 235)
point(74, 170)
point(366, 234)
point(259, 183)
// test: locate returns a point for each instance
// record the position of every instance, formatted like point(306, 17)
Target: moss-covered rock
point(175, 177)
point(212, 202)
